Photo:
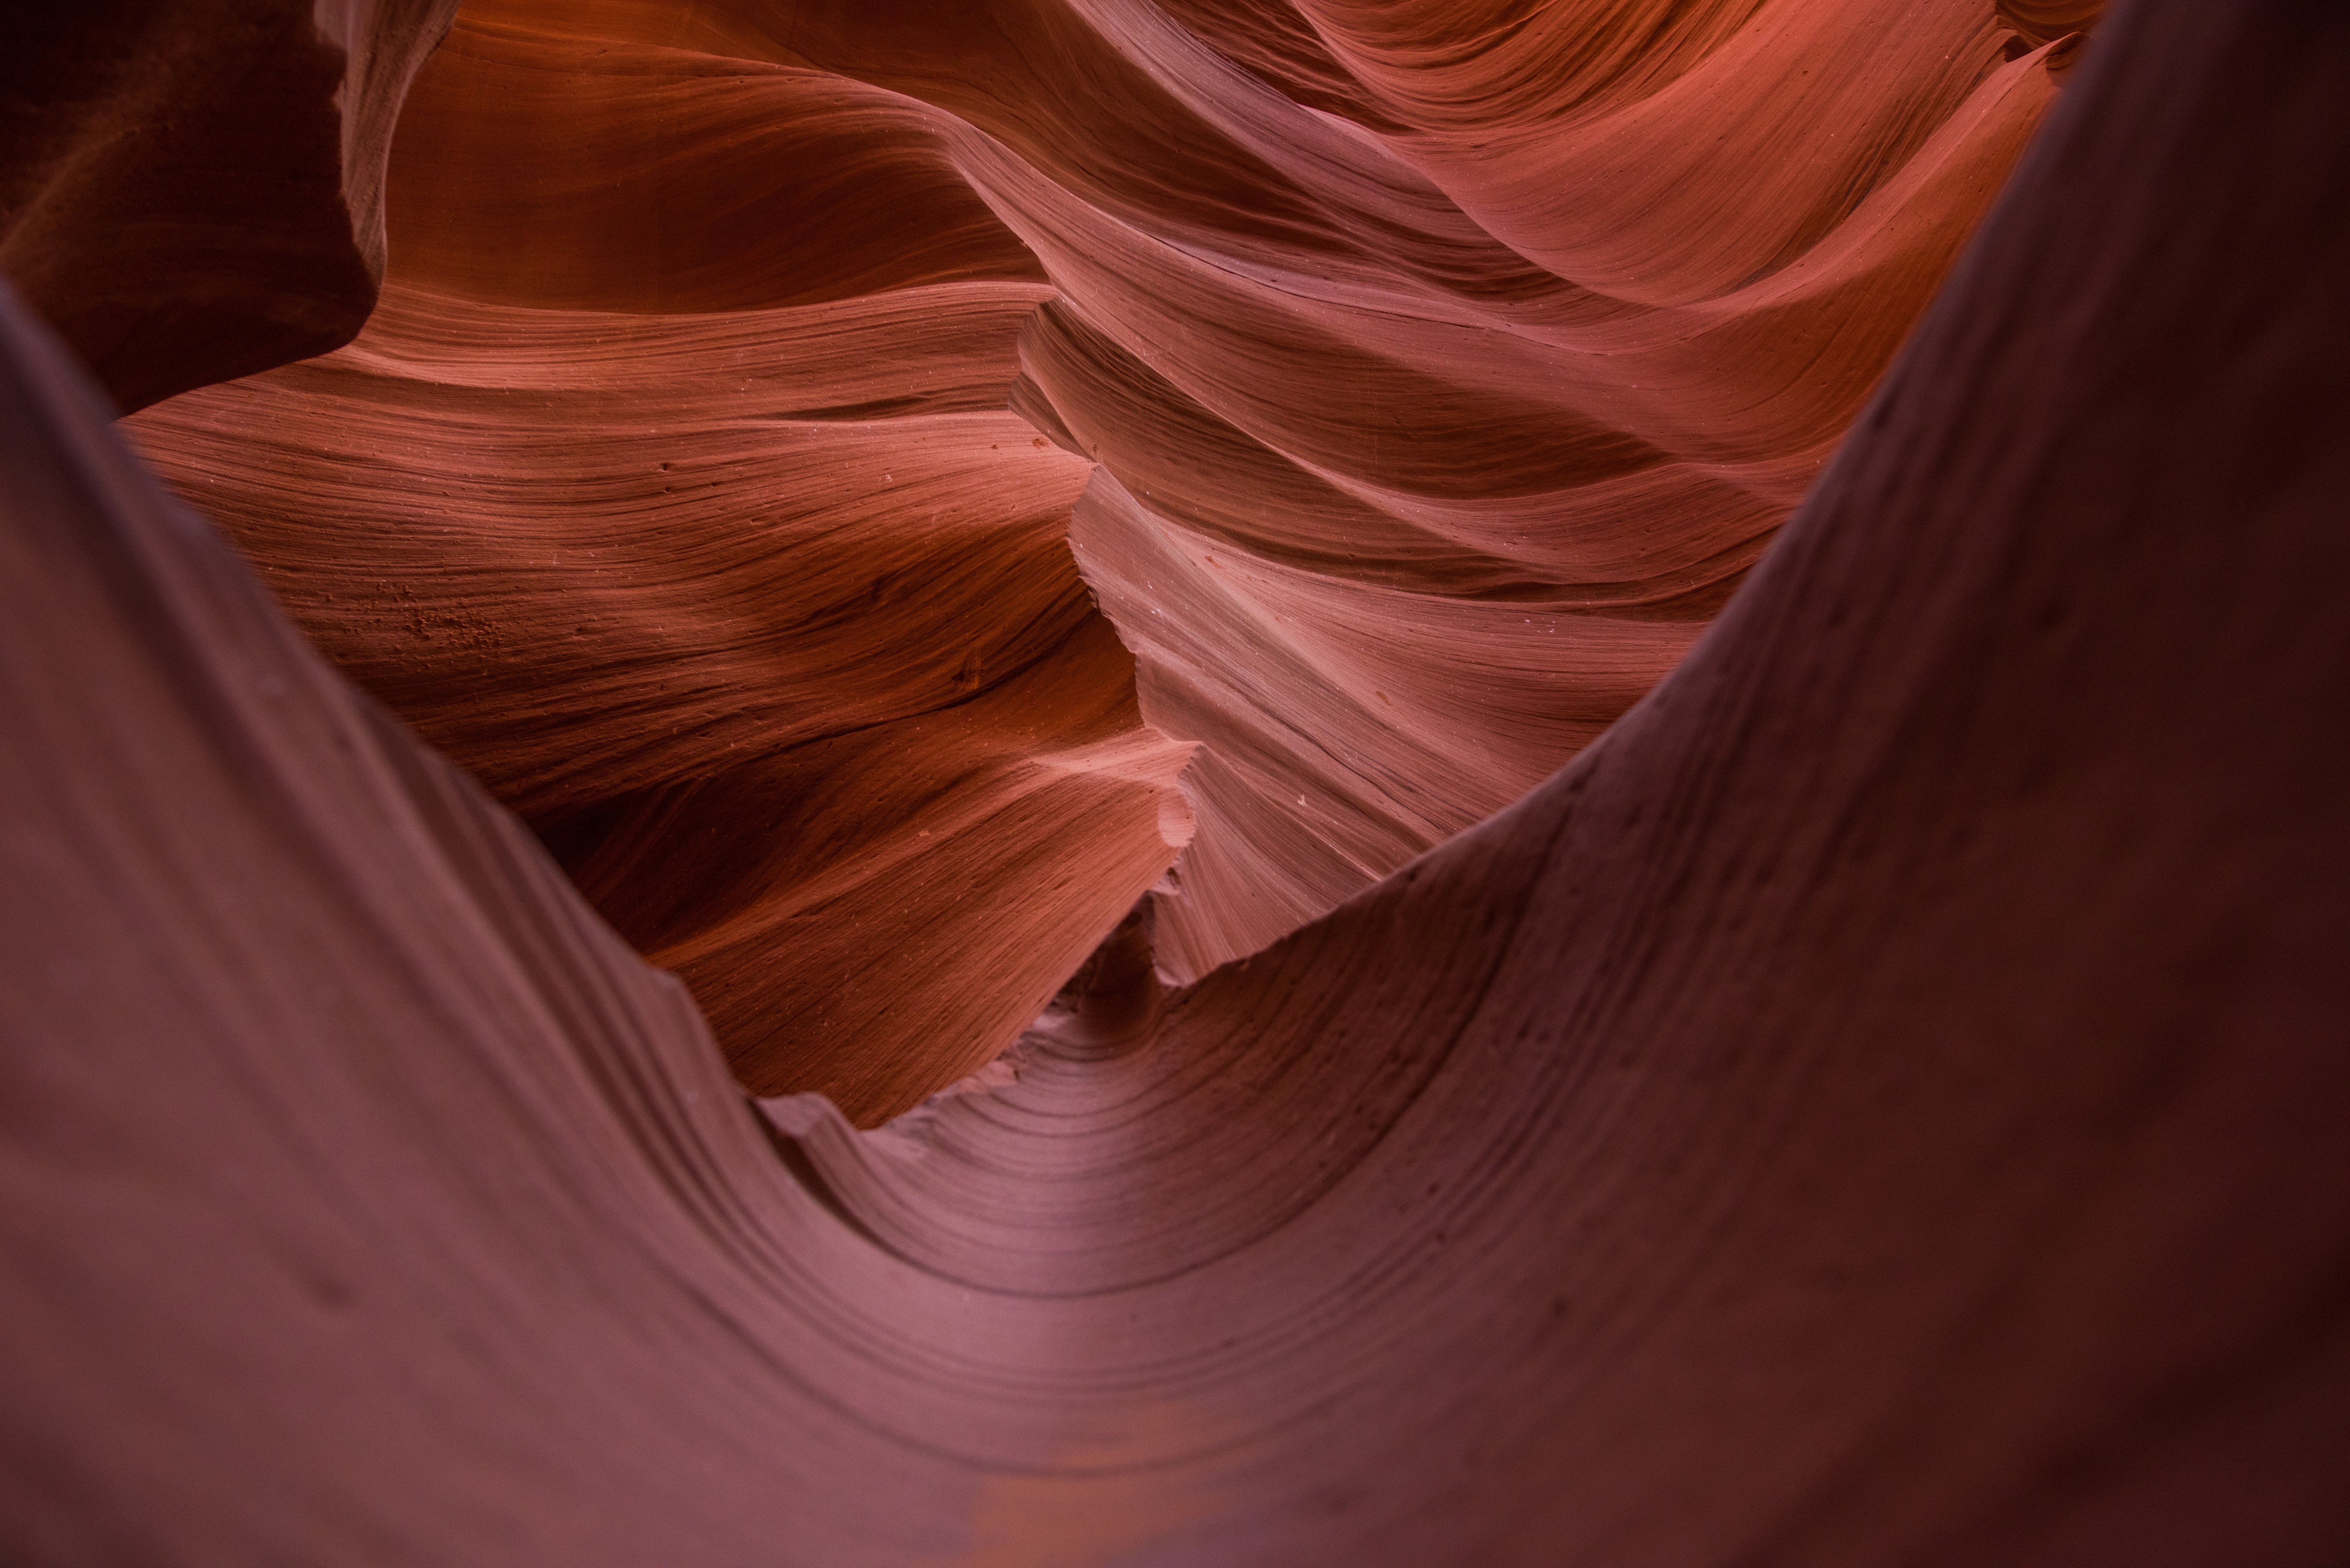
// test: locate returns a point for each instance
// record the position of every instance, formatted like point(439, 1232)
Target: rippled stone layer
point(1416, 383)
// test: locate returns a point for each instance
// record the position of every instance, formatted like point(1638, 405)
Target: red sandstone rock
point(1440, 393)
point(1880, 1104)
point(765, 620)
point(733, 574)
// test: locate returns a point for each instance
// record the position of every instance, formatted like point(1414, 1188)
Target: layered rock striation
point(783, 427)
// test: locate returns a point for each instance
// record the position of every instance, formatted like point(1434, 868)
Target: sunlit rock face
point(881, 488)
point(1879, 1103)
point(674, 494)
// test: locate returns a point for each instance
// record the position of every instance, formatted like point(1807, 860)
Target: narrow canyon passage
point(1725, 694)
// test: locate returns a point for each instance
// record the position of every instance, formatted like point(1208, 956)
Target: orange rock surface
point(1418, 381)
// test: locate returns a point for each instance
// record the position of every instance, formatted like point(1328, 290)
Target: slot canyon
point(1184, 783)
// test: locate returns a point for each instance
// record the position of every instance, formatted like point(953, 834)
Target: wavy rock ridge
point(1418, 382)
